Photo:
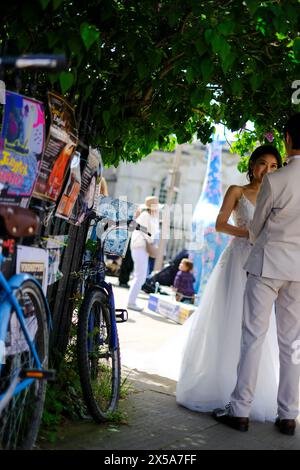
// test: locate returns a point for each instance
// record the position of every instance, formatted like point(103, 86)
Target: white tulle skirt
point(204, 355)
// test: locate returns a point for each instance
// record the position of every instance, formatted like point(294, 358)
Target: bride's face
point(267, 163)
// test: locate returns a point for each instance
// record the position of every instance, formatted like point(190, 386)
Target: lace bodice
point(243, 213)
point(242, 216)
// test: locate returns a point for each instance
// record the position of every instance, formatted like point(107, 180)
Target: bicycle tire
point(99, 365)
point(20, 420)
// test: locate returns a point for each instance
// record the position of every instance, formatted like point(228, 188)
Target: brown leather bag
point(18, 221)
point(151, 249)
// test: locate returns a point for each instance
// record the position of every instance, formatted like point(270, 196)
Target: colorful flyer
point(55, 246)
point(72, 189)
point(90, 180)
point(61, 144)
point(33, 261)
point(21, 148)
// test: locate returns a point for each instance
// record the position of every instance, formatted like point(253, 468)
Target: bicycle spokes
point(20, 418)
point(98, 360)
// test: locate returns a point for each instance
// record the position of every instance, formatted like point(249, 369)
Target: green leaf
point(291, 13)
point(227, 28)
point(196, 97)
point(236, 86)
point(227, 61)
point(200, 46)
point(53, 77)
point(106, 117)
point(196, 65)
point(208, 34)
point(173, 17)
point(89, 34)
point(255, 81)
point(207, 69)
point(189, 75)
point(281, 36)
point(142, 70)
point(261, 26)
point(52, 38)
point(155, 58)
point(225, 49)
point(88, 90)
point(243, 164)
point(252, 5)
point(66, 80)
point(296, 48)
point(207, 97)
point(220, 45)
point(114, 109)
point(75, 44)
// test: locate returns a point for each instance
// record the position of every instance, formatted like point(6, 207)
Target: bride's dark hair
point(259, 152)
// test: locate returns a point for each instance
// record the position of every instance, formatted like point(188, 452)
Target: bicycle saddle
point(17, 221)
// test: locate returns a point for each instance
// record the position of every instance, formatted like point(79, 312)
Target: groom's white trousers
point(260, 294)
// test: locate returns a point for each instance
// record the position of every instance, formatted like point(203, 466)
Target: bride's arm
point(263, 209)
point(231, 198)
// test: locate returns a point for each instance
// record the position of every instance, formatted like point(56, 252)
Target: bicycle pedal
point(121, 315)
point(39, 374)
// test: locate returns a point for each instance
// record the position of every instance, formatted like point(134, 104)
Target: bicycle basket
point(116, 241)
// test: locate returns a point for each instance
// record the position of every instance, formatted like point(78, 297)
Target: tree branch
point(169, 66)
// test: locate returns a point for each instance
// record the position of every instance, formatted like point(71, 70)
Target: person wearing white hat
point(148, 217)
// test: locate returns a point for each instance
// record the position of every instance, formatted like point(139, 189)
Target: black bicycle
point(98, 346)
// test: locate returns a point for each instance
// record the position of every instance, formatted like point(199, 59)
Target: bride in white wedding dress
point(208, 344)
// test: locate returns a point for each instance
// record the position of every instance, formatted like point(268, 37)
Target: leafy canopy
point(144, 71)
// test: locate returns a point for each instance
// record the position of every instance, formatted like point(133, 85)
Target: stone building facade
point(151, 177)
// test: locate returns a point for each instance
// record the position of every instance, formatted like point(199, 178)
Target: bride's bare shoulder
point(232, 197)
point(235, 190)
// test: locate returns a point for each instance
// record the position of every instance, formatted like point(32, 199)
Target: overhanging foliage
point(143, 71)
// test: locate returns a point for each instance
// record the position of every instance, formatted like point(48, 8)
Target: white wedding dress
point(208, 344)
point(209, 364)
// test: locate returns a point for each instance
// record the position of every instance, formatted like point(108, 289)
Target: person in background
point(127, 263)
point(126, 268)
point(103, 187)
point(184, 282)
point(149, 219)
point(151, 262)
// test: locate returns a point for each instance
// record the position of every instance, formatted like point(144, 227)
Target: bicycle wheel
point(98, 363)
point(20, 419)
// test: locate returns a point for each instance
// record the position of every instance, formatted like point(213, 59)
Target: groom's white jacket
point(275, 228)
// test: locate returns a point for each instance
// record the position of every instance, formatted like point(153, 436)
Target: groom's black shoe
point(227, 418)
point(286, 426)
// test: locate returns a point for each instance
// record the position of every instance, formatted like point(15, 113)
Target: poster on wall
point(90, 181)
point(33, 261)
point(72, 189)
point(55, 246)
point(21, 148)
point(60, 146)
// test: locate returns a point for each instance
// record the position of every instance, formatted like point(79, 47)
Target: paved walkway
point(155, 421)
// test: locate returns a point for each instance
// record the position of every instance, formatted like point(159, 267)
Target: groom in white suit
point(274, 277)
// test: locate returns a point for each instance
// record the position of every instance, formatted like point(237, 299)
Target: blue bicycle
point(24, 326)
point(98, 347)
point(24, 314)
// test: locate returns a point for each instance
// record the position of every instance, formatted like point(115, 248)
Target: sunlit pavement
point(153, 419)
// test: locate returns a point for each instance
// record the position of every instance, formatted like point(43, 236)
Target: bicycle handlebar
point(131, 225)
point(32, 61)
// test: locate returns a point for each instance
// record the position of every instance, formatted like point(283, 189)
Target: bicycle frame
point(108, 290)
point(8, 301)
point(107, 227)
